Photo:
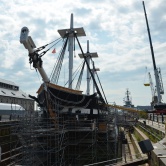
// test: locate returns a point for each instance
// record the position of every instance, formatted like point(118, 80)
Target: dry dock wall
point(158, 155)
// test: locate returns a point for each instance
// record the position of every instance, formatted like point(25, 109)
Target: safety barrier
point(122, 160)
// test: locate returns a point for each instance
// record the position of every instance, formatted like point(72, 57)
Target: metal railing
point(122, 160)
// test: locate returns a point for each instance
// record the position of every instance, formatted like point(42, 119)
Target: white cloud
point(19, 74)
point(115, 29)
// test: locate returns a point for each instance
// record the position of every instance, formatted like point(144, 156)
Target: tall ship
point(50, 93)
point(72, 128)
point(82, 123)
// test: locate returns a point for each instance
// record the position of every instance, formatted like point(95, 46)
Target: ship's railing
point(122, 160)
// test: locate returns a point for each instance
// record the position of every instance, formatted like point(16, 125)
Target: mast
point(97, 88)
point(127, 96)
point(71, 52)
point(127, 99)
point(153, 58)
point(71, 31)
point(88, 56)
point(88, 74)
point(94, 71)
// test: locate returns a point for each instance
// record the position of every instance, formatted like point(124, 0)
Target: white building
point(11, 94)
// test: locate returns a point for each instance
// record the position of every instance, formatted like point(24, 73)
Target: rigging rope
point(43, 47)
point(75, 72)
point(99, 80)
point(57, 67)
point(97, 88)
point(80, 77)
point(44, 52)
point(101, 87)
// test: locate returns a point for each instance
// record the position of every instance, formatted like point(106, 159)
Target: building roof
point(7, 82)
point(12, 93)
point(12, 90)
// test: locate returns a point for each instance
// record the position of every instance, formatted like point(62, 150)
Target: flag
point(54, 51)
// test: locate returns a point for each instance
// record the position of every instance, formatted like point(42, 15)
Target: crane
point(159, 106)
point(151, 85)
point(153, 90)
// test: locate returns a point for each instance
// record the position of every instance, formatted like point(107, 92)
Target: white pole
point(88, 73)
point(71, 53)
point(43, 74)
point(93, 82)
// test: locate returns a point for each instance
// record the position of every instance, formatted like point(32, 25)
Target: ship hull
point(66, 97)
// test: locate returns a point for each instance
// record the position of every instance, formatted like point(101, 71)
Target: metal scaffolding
point(69, 139)
point(39, 141)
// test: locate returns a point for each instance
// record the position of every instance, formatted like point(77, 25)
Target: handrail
point(123, 160)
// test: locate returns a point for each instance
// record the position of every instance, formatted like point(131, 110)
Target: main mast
point(71, 38)
point(88, 74)
point(71, 31)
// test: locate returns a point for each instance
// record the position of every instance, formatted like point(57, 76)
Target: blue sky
point(116, 30)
